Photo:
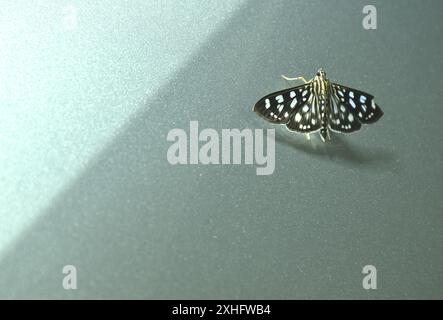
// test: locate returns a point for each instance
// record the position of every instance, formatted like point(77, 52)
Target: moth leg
point(308, 136)
point(328, 135)
point(296, 78)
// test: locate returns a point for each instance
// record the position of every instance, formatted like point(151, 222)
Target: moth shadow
point(339, 148)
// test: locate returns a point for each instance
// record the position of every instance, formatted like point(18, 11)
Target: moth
point(319, 105)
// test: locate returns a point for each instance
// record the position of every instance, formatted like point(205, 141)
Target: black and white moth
point(319, 105)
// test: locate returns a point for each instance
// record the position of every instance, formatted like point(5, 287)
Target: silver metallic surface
point(84, 180)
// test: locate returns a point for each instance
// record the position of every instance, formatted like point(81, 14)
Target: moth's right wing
point(342, 116)
point(359, 103)
point(281, 106)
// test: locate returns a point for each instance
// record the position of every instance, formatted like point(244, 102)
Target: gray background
point(137, 227)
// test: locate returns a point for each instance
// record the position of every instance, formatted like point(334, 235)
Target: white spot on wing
point(267, 103)
point(352, 103)
point(297, 117)
point(293, 103)
point(292, 94)
point(279, 98)
point(334, 105)
point(350, 117)
point(362, 99)
point(351, 94)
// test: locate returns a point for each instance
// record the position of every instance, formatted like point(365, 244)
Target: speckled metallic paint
point(85, 181)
